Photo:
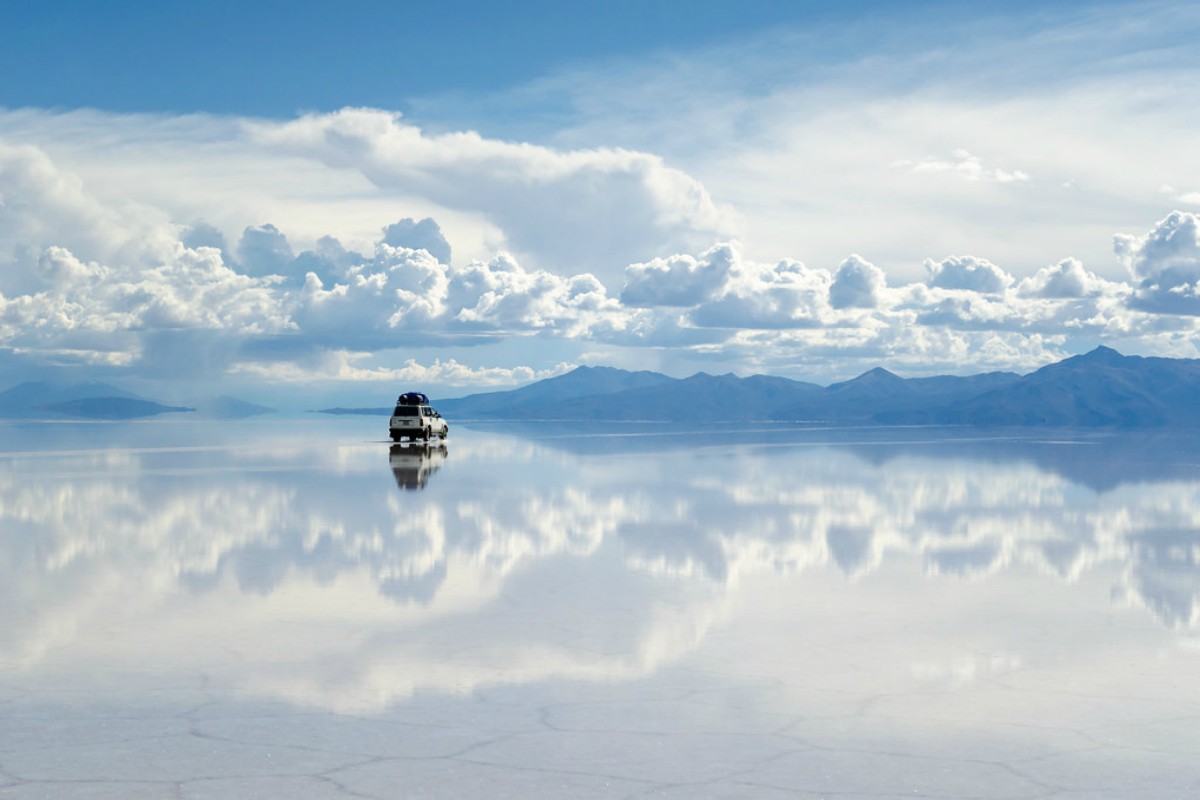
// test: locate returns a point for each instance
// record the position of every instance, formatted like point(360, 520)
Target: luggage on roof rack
point(413, 399)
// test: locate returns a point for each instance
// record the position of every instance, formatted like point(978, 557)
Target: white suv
point(413, 418)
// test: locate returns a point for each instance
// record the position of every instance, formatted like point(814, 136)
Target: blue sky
point(279, 58)
point(235, 195)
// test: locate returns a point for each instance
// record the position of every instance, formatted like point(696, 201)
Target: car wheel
point(425, 434)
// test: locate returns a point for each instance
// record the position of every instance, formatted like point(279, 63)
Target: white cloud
point(263, 250)
point(423, 234)
point(802, 131)
point(783, 295)
point(89, 276)
point(582, 210)
point(1191, 198)
point(342, 365)
point(500, 295)
point(679, 280)
point(969, 273)
point(396, 289)
point(42, 205)
point(966, 166)
point(1066, 279)
point(88, 308)
point(856, 284)
point(1164, 264)
point(194, 309)
point(155, 304)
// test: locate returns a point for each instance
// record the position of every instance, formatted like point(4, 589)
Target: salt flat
point(295, 608)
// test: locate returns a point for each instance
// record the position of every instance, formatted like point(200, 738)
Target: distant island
point(112, 408)
point(101, 401)
point(1102, 388)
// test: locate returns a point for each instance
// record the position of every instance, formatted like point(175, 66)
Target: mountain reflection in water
point(596, 557)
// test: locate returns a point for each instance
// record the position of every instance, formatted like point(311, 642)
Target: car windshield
point(407, 411)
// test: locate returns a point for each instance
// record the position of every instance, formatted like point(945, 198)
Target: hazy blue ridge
point(31, 399)
point(96, 400)
point(226, 407)
point(530, 401)
point(112, 408)
point(366, 412)
point(697, 398)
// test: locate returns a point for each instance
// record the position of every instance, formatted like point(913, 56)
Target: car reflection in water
point(412, 464)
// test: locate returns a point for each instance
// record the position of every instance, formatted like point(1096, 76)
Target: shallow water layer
point(297, 608)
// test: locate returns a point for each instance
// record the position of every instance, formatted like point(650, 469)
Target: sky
point(310, 202)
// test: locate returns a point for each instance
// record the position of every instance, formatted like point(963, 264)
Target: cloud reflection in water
point(314, 574)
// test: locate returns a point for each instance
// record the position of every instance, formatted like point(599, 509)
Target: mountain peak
point(1100, 355)
point(1106, 353)
point(878, 374)
point(873, 382)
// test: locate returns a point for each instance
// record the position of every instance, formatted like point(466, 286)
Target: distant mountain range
point(96, 400)
point(1100, 388)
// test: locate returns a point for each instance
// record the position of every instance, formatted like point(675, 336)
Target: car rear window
point(406, 411)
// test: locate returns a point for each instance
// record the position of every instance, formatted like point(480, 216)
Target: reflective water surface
point(297, 608)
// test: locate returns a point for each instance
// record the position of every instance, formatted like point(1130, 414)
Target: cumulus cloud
point(140, 293)
point(188, 301)
point(88, 306)
point(419, 235)
point(856, 284)
point(402, 293)
point(499, 295)
point(1066, 279)
point(783, 295)
point(968, 273)
point(201, 234)
point(394, 289)
point(263, 250)
point(969, 311)
point(42, 205)
point(720, 288)
point(1164, 264)
point(582, 210)
point(679, 280)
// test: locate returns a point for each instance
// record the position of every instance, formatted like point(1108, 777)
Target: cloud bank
point(128, 288)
